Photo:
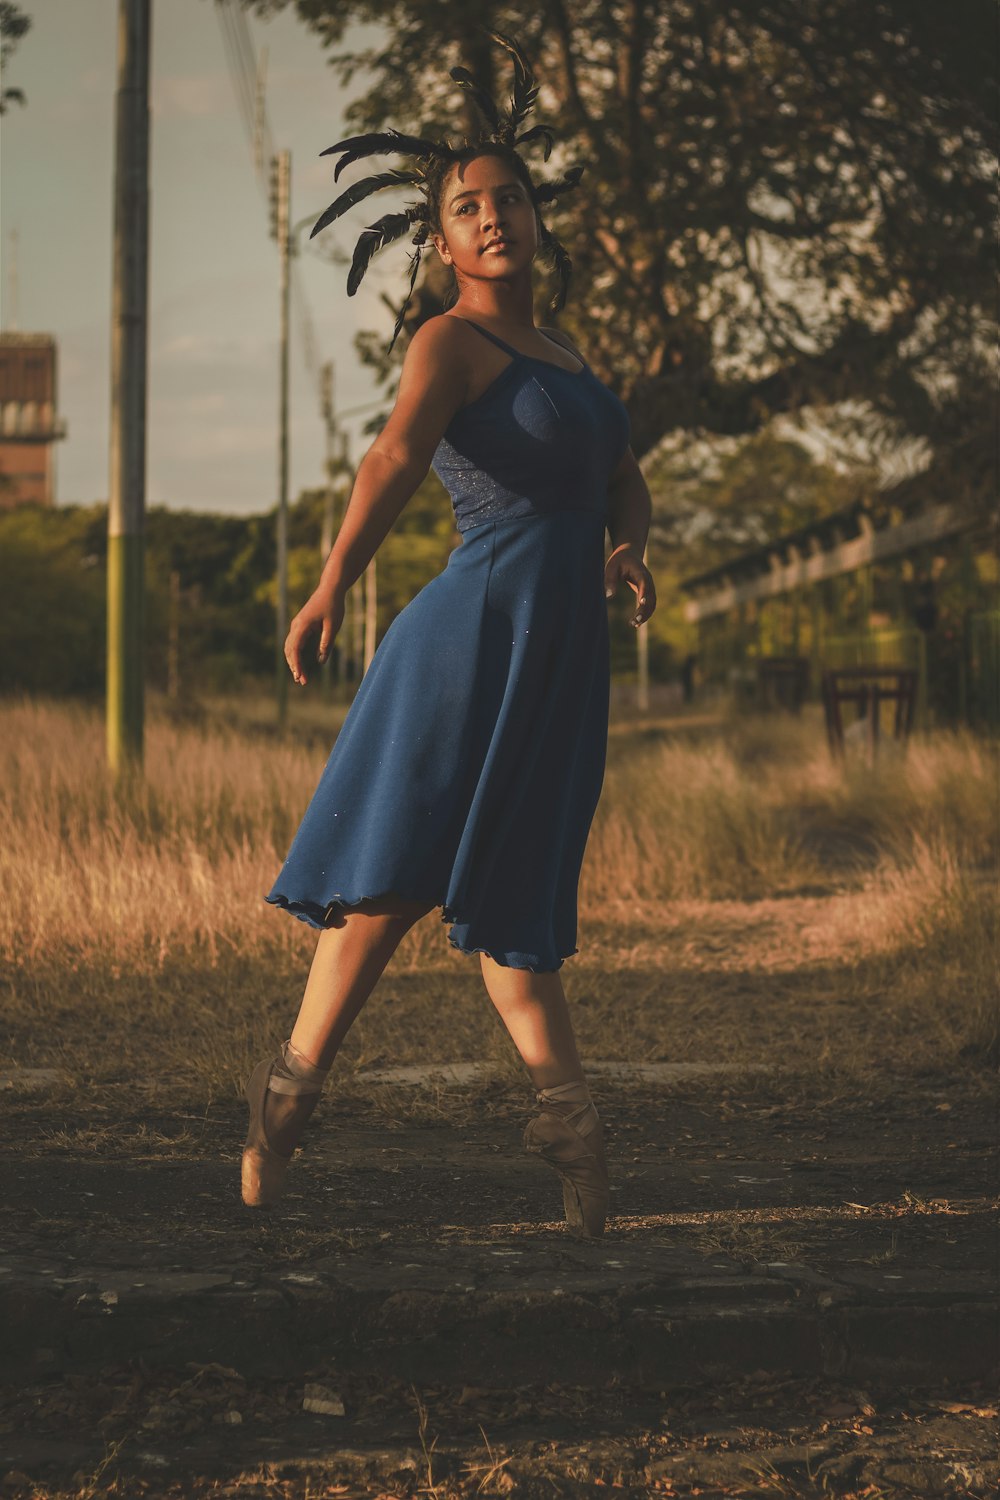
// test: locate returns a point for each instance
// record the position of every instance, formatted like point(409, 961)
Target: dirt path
point(200, 1432)
point(161, 1338)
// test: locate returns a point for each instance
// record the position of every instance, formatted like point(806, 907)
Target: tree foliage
point(744, 493)
point(51, 601)
point(786, 203)
point(14, 24)
point(53, 579)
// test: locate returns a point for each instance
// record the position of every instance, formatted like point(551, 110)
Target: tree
point(52, 616)
point(13, 26)
point(787, 203)
point(743, 493)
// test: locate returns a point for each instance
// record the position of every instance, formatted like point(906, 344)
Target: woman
point(469, 766)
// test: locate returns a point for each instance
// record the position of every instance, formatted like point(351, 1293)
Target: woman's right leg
point(533, 1008)
point(347, 964)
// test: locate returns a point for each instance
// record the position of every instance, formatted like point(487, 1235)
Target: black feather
point(383, 232)
point(418, 240)
point(546, 191)
point(563, 267)
point(359, 190)
point(485, 107)
point(525, 90)
point(521, 106)
point(522, 67)
point(533, 135)
point(383, 143)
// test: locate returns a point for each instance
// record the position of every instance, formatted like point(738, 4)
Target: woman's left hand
point(625, 563)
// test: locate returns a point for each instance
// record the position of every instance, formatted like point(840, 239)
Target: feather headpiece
point(501, 126)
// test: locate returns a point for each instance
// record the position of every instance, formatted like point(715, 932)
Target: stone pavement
point(745, 1238)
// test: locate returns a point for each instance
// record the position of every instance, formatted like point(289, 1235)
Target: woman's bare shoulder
point(439, 335)
point(432, 387)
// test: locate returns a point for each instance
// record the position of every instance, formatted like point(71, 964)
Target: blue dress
point(470, 763)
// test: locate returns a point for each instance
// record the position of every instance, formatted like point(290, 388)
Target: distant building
point(29, 426)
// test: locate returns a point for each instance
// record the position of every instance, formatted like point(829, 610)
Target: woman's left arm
point(630, 510)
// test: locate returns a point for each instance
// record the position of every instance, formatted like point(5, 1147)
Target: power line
point(247, 80)
point(236, 60)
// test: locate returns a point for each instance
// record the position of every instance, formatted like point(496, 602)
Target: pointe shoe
point(573, 1144)
point(263, 1168)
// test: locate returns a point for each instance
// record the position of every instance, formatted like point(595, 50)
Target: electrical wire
point(241, 60)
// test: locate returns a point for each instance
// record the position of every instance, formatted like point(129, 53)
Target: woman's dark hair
point(434, 160)
point(437, 174)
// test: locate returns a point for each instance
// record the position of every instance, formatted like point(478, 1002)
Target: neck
point(510, 303)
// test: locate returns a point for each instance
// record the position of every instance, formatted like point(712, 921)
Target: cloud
point(217, 440)
point(191, 96)
point(220, 350)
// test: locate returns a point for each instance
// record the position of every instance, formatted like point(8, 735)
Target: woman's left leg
point(533, 1008)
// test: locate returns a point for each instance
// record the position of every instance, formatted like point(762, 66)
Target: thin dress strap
point(495, 338)
point(516, 353)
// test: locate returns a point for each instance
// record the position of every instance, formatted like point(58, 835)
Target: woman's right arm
point(432, 387)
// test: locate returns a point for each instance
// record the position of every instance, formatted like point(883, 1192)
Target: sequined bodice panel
point(539, 438)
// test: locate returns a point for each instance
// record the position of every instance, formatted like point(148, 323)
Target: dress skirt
point(469, 766)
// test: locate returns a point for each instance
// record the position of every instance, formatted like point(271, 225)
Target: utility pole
point(642, 666)
point(345, 481)
point(260, 114)
point(326, 540)
point(371, 611)
point(338, 491)
point(281, 186)
point(10, 324)
point(127, 476)
point(355, 599)
point(174, 638)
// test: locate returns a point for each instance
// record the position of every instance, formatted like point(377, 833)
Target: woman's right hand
point(323, 610)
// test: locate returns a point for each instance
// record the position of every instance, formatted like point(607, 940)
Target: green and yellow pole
point(127, 477)
point(284, 186)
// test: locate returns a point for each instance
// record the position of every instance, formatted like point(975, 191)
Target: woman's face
point(484, 200)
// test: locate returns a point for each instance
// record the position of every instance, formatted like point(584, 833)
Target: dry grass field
point(743, 900)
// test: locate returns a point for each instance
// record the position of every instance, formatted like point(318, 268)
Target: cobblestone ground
point(791, 1299)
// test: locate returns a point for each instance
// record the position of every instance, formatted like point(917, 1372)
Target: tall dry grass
point(758, 807)
point(108, 894)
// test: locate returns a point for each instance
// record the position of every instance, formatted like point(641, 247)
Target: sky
point(212, 430)
point(212, 433)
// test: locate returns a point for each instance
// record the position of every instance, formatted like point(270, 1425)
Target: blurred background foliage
point(708, 507)
point(53, 568)
point(783, 252)
point(786, 205)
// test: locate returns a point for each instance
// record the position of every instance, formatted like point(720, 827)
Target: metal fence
point(981, 676)
point(889, 646)
point(957, 665)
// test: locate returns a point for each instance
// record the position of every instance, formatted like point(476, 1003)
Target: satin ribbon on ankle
point(574, 1092)
point(308, 1078)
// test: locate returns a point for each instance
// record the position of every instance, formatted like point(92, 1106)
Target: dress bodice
point(539, 438)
